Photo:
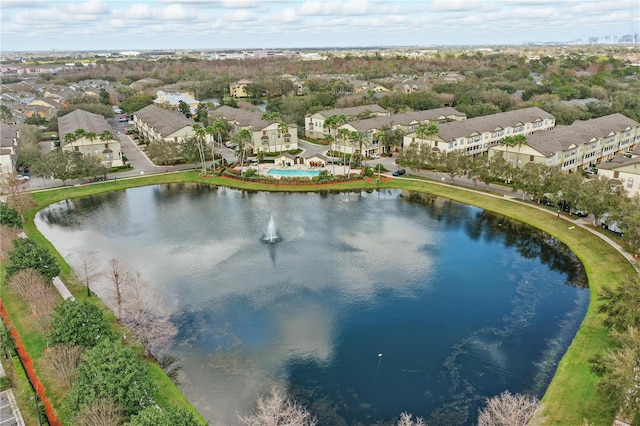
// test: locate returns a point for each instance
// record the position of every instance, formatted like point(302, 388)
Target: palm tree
point(106, 136)
point(242, 137)
point(508, 141)
point(200, 134)
point(359, 138)
point(331, 140)
point(518, 141)
point(69, 138)
point(283, 130)
point(220, 127)
point(345, 135)
point(211, 131)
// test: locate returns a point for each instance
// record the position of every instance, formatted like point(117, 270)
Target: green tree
point(200, 143)
point(622, 304)
point(27, 254)
point(242, 138)
point(5, 114)
point(599, 197)
point(201, 113)
point(171, 416)
point(105, 98)
point(78, 322)
point(136, 102)
point(184, 108)
point(9, 216)
point(163, 152)
point(112, 371)
point(64, 165)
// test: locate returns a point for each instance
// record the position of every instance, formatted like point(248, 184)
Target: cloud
point(240, 15)
point(91, 7)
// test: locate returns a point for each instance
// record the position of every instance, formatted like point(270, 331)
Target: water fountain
point(271, 236)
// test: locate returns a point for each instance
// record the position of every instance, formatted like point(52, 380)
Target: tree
point(509, 410)
point(78, 322)
point(103, 412)
point(200, 139)
point(242, 138)
point(507, 142)
point(619, 369)
point(599, 197)
point(360, 139)
point(61, 361)
point(17, 196)
point(31, 286)
point(27, 254)
point(105, 98)
point(277, 409)
point(201, 113)
point(184, 108)
point(9, 216)
point(112, 371)
point(171, 416)
point(283, 132)
point(64, 165)
point(119, 280)
point(622, 304)
point(163, 152)
point(146, 318)
point(628, 217)
point(406, 419)
point(88, 272)
point(5, 114)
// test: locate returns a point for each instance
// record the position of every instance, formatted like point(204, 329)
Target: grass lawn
point(571, 397)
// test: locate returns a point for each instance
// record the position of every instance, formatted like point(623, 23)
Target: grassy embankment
point(571, 397)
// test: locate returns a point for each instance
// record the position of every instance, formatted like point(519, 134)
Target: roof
point(488, 123)
point(353, 111)
point(245, 118)
point(406, 118)
point(580, 132)
point(8, 132)
point(619, 162)
point(164, 121)
point(81, 119)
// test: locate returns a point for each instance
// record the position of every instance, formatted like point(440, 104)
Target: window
point(630, 183)
point(616, 175)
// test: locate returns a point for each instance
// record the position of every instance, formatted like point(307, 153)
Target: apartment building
point(156, 123)
point(314, 123)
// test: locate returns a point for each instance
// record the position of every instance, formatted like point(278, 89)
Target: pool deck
point(263, 168)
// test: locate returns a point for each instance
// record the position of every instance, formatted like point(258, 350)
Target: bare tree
point(61, 361)
point(9, 233)
point(31, 286)
point(119, 278)
point(146, 317)
point(18, 196)
point(103, 412)
point(508, 409)
point(276, 409)
point(406, 419)
point(88, 271)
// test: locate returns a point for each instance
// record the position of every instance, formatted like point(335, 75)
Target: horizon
point(97, 25)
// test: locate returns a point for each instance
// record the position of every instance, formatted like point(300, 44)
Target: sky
point(62, 25)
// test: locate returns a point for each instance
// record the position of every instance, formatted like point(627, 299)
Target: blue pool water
point(295, 173)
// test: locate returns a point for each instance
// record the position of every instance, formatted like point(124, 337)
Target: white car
point(611, 226)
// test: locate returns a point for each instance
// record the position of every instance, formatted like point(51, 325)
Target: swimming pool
point(298, 173)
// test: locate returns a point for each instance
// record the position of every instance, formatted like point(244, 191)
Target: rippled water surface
point(369, 305)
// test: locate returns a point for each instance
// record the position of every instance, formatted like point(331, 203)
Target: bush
point(27, 254)
point(9, 216)
point(79, 323)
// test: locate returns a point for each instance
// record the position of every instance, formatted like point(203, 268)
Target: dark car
point(399, 172)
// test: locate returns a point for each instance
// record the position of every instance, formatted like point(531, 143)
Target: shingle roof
point(578, 133)
point(8, 132)
point(245, 118)
point(163, 120)
point(404, 119)
point(80, 119)
point(353, 111)
point(464, 128)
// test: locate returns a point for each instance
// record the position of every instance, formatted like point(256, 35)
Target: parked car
point(399, 172)
point(611, 225)
point(375, 156)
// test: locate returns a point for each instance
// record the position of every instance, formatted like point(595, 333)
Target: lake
point(368, 305)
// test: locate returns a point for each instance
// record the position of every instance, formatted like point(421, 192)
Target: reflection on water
point(461, 304)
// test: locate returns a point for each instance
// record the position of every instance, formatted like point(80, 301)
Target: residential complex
point(155, 123)
point(90, 134)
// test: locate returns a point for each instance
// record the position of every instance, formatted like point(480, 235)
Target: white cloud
point(91, 7)
point(240, 15)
